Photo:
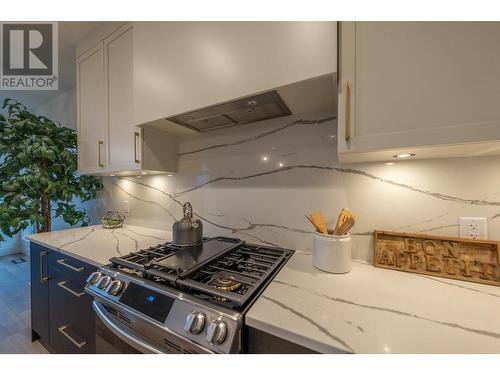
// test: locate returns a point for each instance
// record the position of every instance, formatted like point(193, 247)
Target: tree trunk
point(47, 226)
point(46, 212)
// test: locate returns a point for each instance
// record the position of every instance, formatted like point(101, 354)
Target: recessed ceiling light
point(404, 155)
point(169, 175)
point(390, 163)
point(265, 158)
point(281, 165)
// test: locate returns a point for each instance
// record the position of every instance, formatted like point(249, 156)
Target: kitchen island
point(374, 310)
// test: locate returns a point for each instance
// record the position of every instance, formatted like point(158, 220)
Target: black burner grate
point(230, 279)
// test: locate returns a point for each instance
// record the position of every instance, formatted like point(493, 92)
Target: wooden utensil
point(345, 222)
point(313, 224)
point(340, 221)
point(319, 222)
point(346, 226)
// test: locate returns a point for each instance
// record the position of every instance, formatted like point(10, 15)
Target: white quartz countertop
point(374, 310)
point(368, 310)
point(96, 245)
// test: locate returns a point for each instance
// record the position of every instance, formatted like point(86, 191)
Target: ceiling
point(69, 34)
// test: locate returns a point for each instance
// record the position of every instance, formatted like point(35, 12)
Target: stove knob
point(94, 276)
point(115, 287)
point(195, 322)
point(103, 282)
point(216, 332)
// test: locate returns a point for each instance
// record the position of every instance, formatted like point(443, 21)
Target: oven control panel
point(217, 331)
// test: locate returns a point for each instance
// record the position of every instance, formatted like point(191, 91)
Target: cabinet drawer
point(76, 270)
point(68, 293)
point(72, 326)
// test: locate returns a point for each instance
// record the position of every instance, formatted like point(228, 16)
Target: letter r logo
point(27, 49)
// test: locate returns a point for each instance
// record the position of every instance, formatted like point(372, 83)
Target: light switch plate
point(474, 227)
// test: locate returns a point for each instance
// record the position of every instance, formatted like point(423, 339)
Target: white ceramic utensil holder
point(332, 253)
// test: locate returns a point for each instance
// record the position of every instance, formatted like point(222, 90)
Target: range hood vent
point(241, 111)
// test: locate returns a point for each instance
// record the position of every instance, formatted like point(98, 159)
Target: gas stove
point(167, 298)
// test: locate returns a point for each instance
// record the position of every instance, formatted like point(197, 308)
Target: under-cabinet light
point(405, 155)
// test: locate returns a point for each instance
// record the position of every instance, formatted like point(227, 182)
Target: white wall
point(61, 109)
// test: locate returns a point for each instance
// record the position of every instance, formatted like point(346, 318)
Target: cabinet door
point(418, 84)
point(39, 291)
point(92, 118)
point(124, 137)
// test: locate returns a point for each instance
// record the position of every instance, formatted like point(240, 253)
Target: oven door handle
point(128, 337)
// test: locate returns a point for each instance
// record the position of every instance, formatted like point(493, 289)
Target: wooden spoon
point(313, 224)
point(319, 221)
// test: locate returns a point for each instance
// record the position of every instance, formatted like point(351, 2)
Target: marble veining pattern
point(393, 311)
point(372, 310)
point(311, 321)
point(261, 135)
point(96, 245)
point(257, 181)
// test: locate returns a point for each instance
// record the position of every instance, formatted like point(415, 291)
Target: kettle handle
point(187, 209)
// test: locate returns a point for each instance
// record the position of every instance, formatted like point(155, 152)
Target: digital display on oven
point(148, 302)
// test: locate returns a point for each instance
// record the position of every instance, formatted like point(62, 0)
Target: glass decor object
point(112, 220)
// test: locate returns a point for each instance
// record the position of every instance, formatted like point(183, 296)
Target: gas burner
point(222, 270)
point(224, 281)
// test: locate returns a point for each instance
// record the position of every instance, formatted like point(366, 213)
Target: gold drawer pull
point(43, 279)
point(136, 137)
point(99, 163)
point(62, 284)
point(347, 111)
point(77, 344)
point(61, 262)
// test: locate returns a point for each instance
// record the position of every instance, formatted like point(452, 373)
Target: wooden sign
point(455, 258)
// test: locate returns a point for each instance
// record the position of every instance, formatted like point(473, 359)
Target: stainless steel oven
point(191, 300)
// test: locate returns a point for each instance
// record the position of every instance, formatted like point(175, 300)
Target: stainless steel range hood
point(241, 111)
point(314, 94)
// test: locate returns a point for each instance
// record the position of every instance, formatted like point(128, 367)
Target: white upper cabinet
point(124, 137)
point(108, 140)
point(91, 111)
point(429, 88)
point(182, 66)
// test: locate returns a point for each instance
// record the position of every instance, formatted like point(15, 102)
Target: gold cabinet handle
point(61, 262)
point(136, 137)
point(99, 144)
point(43, 279)
point(62, 284)
point(347, 111)
point(77, 344)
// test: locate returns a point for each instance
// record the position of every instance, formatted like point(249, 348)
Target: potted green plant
point(38, 172)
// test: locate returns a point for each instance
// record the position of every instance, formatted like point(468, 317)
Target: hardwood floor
point(15, 331)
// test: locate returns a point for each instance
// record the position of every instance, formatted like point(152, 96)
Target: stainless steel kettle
point(187, 231)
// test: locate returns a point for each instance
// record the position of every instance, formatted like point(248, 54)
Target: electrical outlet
point(474, 227)
point(126, 207)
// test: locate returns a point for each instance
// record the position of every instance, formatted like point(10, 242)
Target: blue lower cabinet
point(61, 315)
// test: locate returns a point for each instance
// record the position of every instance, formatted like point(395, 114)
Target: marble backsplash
point(257, 181)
